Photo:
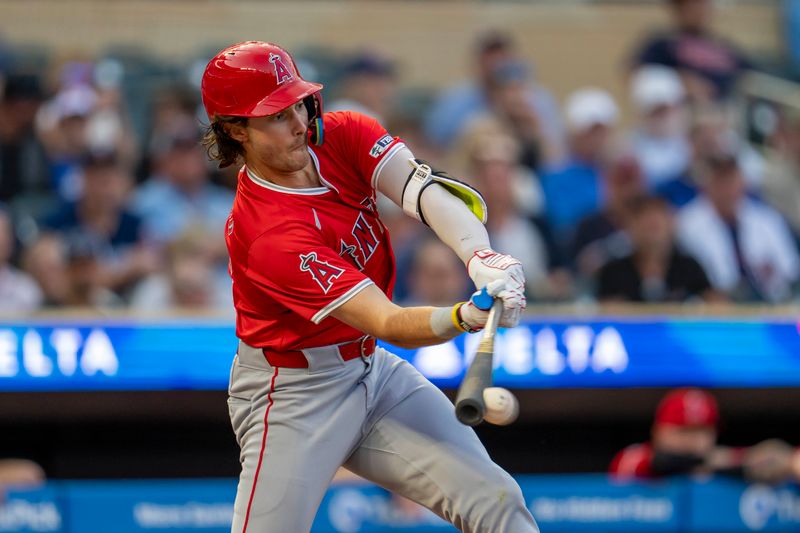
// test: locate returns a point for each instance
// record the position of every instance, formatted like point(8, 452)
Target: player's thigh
point(420, 450)
point(291, 445)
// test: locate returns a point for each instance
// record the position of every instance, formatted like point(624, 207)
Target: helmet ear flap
point(313, 105)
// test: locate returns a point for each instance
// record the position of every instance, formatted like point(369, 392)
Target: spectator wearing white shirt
point(18, 291)
point(661, 139)
point(744, 246)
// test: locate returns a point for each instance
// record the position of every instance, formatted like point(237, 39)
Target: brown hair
point(219, 145)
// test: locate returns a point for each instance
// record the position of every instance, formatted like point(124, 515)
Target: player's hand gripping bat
point(470, 406)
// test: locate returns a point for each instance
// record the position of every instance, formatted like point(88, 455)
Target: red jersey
point(298, 254)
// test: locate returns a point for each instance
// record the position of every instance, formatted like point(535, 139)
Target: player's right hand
point(475, 312)
point(486, 266)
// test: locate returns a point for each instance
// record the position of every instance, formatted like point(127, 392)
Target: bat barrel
point(469, 402)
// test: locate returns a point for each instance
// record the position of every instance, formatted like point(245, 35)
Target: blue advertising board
point(560, 503)
point(540, 353)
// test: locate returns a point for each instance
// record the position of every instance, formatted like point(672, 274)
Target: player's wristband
point(459, 322)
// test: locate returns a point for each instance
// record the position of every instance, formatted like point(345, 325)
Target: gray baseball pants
point(376, 416)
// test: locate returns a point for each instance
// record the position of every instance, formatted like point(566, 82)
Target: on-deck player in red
point(312, 272)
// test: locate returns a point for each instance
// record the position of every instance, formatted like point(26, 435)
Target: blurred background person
point(600, 236)
point(190, 280)
point(179, 195)
point(19, 293)
point(654, 271)
point(101, 214)
point(436, 275)
point(744, 245)
point(495, 170)
point(661, 137)
point(88, 285)
point(47, 262)
point(367, 85)
point(23, 168)
point(782, 178)
point(20, 474)
point(709, 65)
point(496, 57)
point(572, 188)
point(684, 441)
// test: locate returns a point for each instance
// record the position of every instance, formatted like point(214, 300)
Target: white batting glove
point(486, 266)
point(474, 313)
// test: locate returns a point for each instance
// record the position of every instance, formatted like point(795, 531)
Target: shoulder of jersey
point(335, 119)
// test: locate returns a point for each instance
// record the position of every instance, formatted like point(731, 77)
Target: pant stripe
point(263, 446)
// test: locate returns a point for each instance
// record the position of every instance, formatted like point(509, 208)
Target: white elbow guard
point(423, 175)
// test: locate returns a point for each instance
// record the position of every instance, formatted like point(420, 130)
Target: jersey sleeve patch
point(381, 145)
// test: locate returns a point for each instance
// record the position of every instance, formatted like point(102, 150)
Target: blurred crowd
point(109, 200)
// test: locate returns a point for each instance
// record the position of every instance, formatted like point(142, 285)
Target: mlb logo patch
point(379, 147)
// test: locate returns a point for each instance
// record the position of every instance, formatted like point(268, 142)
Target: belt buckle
point(362, 346)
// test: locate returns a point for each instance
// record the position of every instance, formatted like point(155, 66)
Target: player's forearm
point(414, 327)
point(408, 327)
point(453, 222)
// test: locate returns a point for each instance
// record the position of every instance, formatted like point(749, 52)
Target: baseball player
point(312, 271)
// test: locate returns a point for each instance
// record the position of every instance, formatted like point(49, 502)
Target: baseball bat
point(469, 400)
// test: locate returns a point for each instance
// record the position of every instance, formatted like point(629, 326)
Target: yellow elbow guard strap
point(424, 175)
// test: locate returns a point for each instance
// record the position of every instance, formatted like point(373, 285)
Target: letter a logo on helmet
point(282, 73)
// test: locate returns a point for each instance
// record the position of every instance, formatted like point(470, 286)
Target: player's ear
point(237, 131)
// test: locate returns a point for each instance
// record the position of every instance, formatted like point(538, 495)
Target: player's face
point(279, 141)
point(684, 440)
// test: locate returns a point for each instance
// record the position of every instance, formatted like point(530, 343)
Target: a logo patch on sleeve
point(380, 146)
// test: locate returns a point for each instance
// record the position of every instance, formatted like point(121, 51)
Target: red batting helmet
point(688, 407)
point(255, 79)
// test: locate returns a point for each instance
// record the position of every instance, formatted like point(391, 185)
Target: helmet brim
point(288, 95)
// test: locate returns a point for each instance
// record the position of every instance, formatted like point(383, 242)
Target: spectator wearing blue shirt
point(710, 66)
point(100, 214)
point(572, 189)
point(455, 108)
point(179, 196)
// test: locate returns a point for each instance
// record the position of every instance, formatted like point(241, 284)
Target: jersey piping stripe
point(263, 447)
point(319, 172)
point(311, 191)
point(323, 313)
point(389, 155)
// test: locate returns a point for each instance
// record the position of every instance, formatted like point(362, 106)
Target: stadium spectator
point(510, 102)
point(654, 271)
point(782, 179)
point(46, 260)
point(436, 275)
point(493, 170)
point(23, 167)
point(367, 85)
point(684, 441)
point(661, 138)
point(20, 474)
point(86, 271)
point(101, 215)
point(18, 291)
point(190, 280)
point(179, 195)
point(708, 65)
point(457, 106)
point(744, 246)
point(601, 236)
point(572, 189)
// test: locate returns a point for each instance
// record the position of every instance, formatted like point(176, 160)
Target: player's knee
point(507, 510)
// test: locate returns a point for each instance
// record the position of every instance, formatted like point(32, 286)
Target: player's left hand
point(486, 266)
point(476, 311)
